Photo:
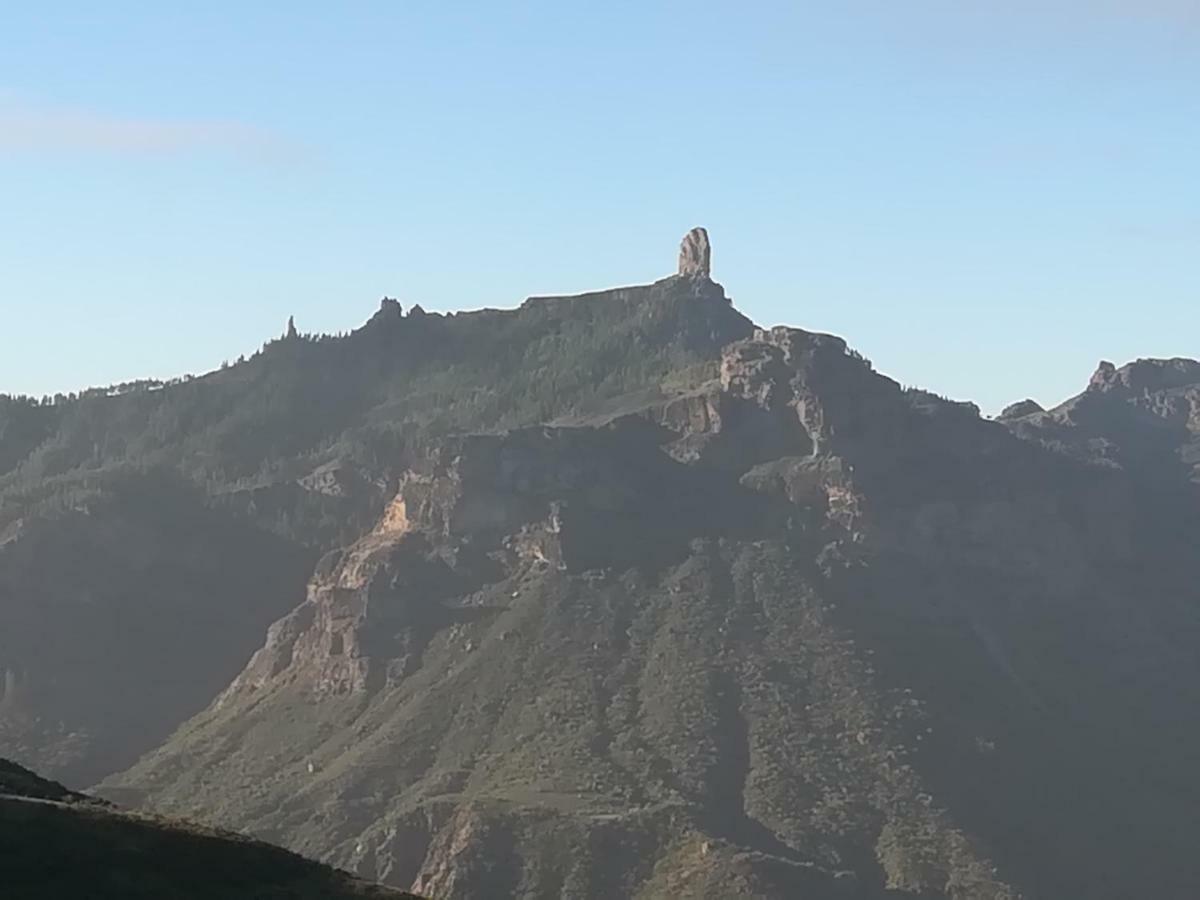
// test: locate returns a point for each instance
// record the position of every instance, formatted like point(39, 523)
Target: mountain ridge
point(288, 503)
point(866, 480)
point(621, 595)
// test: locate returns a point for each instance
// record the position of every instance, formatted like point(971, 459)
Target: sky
point(984, 198)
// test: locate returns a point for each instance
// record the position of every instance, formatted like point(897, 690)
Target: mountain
point(646, 601)
point(61, 844)
point(150, 533)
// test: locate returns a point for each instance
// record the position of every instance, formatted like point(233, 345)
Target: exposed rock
point(1021, 408)
point(1143, 417)
point(695, 254)
point(1104, 375)
point(1145, 375)
point(479, 508)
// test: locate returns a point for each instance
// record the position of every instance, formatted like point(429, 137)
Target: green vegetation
point(184, 506)
point(842, 639)
point(369, 399)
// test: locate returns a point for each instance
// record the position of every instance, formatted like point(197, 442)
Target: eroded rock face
point(695, 254)
point(1147, 375)
point(1143, 417)
point(789, 412)
point(791, 392)
point(478, 509)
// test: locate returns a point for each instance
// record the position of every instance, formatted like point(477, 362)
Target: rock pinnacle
point(695, 254)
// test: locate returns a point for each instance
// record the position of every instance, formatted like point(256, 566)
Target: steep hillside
point(59, 845)
point(123, 613)
point(149, 534)
point(789, 632)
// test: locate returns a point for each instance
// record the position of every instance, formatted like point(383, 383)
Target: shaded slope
point(17, 781)
point(125, 613)
point(58, 844)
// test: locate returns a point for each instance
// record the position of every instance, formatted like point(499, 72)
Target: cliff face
point(791, 631)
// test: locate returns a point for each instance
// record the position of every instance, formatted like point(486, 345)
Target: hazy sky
point(985, 198)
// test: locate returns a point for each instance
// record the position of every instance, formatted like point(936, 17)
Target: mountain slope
point(1143, 418)
point(164, 526)
point(789, 631)
point(368, 396)
point(124, 613)
point(618, 596)
point(58, 844)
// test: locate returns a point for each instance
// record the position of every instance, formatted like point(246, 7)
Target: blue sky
point(985, 198)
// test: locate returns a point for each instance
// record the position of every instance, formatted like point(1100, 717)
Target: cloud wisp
point(30, 127)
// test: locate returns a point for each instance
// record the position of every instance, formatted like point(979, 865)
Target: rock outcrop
point(1143, 417)
point(695, 254)
point(1020, 409)
point(1147, 375)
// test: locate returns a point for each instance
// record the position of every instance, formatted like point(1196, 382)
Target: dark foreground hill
point(641, 601)
point(59, 845)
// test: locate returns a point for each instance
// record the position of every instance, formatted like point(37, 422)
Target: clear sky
point(983, 197)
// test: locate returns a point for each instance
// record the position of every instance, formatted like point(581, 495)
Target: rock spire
point(695, 254)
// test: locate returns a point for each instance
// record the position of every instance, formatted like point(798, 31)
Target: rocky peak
point(1104, 376)
point(695, 254)
point(1020, 409)
point(1146, 375)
